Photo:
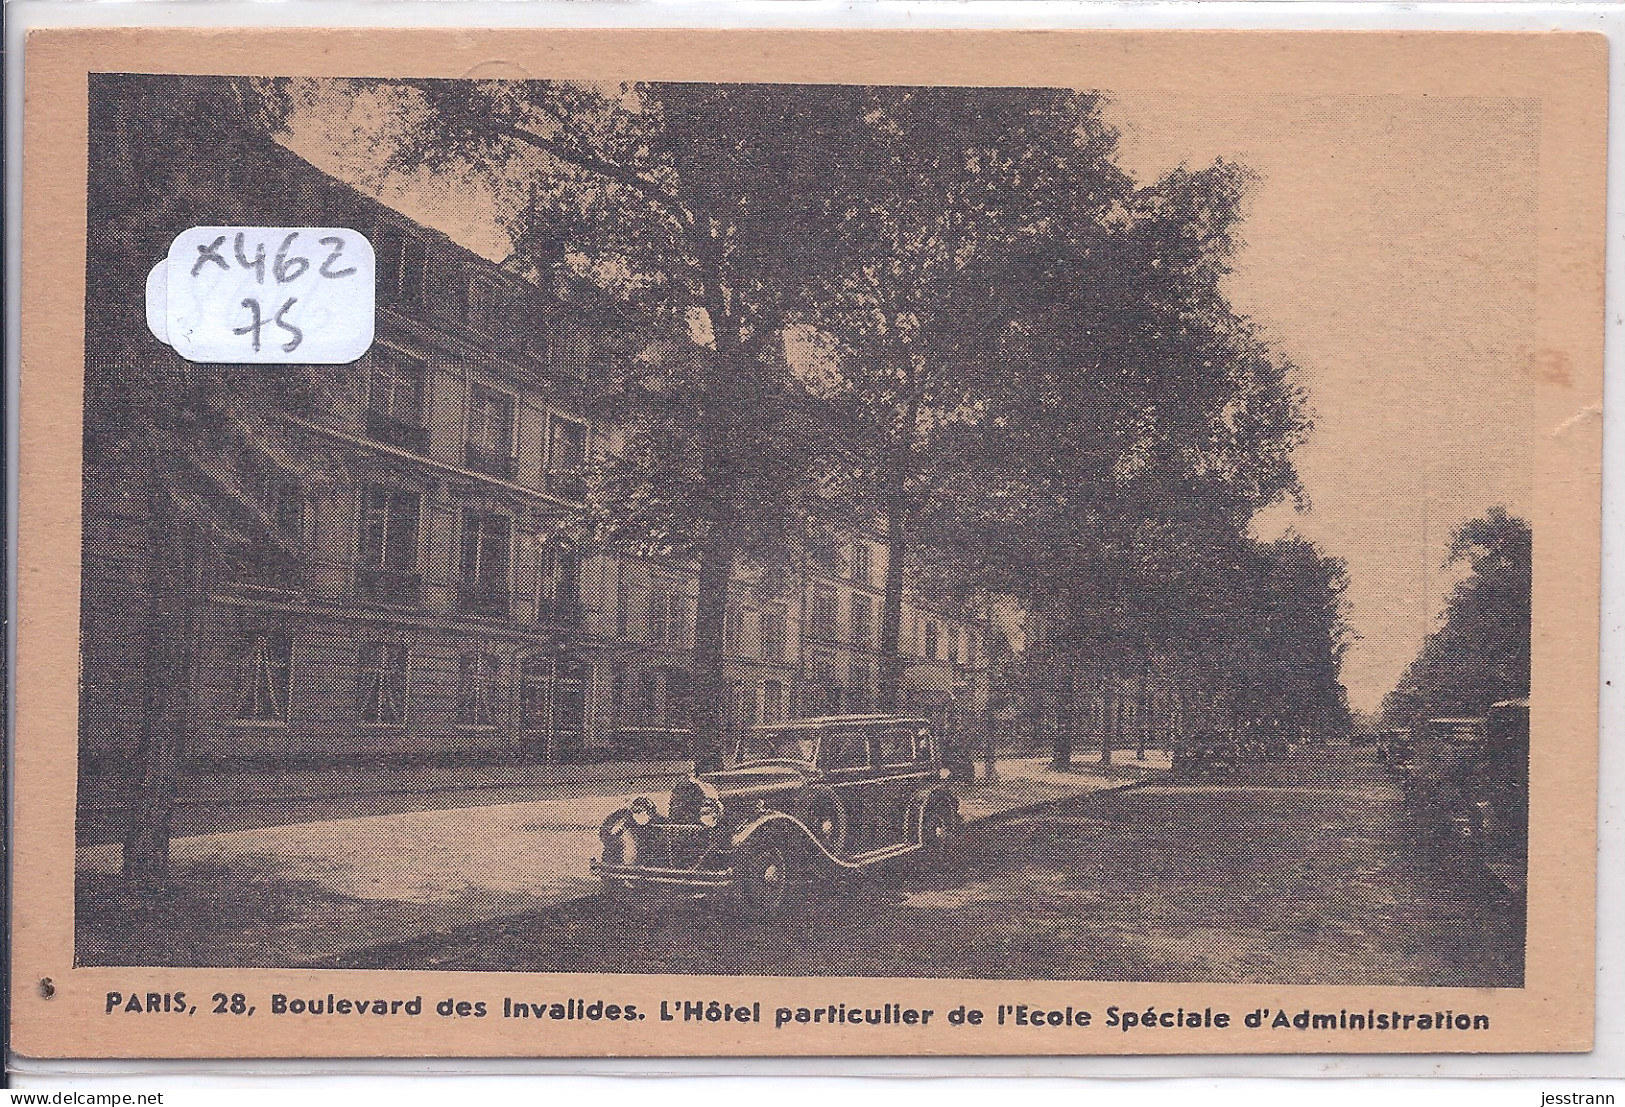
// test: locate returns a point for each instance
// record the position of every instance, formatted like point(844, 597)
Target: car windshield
point(778, 744)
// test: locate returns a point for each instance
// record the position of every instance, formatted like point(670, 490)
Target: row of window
point(388, 549)
point(930, 639)
point(853, 748)
point(391, 533)
point(551, 691)
point(407, 280)
point(547, 686)
point(771, 624)
point(387, 571)
point(397, 416)
point(666, 612)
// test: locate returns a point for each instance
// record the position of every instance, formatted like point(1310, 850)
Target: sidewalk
point(292, 894)
point(243, 799)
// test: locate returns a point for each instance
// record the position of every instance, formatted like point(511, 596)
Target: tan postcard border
point(1554, 1012)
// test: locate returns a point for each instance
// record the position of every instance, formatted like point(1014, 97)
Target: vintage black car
point(1207, 756)
point(828, 795)
point(1468, 783)
point(1482, 801)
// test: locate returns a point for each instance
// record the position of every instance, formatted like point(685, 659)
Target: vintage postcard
point(659, 543)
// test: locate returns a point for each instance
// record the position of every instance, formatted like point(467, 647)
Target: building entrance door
point(569, 738)
point(553, 706)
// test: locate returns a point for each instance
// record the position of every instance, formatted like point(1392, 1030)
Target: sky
point(1389, 252)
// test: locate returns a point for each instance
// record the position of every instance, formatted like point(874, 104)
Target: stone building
point(409, 594)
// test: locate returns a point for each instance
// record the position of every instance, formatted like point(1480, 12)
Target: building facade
point(411, 593)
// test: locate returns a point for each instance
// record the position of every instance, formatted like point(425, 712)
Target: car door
point(843, 756)
point(901, 758)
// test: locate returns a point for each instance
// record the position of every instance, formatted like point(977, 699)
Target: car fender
point(777, 822)
point(923, 799)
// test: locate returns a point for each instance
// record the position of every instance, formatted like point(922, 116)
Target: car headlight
point(710, 813)
point(643, 810)
point(613, 826)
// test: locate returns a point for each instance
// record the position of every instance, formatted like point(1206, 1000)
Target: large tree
point(684, 201)
point(1290, 644)
point(1030, 341)
point(198, 441)
point(1479, 654)
point(1139, 424)
point(921, 208)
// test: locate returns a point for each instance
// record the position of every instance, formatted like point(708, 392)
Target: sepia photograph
point(780, 529)
point(661, 544)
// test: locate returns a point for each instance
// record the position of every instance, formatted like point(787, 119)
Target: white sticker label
point(298, 295)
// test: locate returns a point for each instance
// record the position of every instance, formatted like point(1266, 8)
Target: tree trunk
point(1143, 710)
point(718, 548)
point(891, 618)
point(894, 501)
point(164, 707)
point(989, 743)
point(710, 683)
point(1112, 717)
point(1066, 721)
point(1033, 705)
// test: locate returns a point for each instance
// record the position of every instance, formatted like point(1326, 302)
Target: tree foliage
point(1479, 654)
point(1291, 639)
point(1137, 426)
point(1047, 393)
point(922, 205)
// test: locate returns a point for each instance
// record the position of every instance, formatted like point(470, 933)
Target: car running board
point(885, 853)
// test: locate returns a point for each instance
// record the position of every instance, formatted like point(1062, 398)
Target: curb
point(1042, 805)
point(390, 793)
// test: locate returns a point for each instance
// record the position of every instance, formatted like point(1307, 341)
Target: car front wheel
point(763, 872)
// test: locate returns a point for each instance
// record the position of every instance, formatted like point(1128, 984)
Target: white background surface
point(1249, 1079)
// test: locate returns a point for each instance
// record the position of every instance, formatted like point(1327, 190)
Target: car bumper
point(653, 879)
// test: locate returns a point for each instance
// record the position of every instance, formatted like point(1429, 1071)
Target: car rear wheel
point(763, 872)
point(938, 830)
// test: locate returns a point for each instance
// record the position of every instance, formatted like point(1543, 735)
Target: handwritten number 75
point(257, 323)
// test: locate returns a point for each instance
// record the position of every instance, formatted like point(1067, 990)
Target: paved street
point(1297, 873)
point(311, 866)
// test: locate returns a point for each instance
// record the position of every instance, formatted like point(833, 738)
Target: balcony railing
point(563, 609)
point(566, 484)
point(482, 599)
point(389, 586)
point(266, 569)
point(397, 432)
point(484, 461)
